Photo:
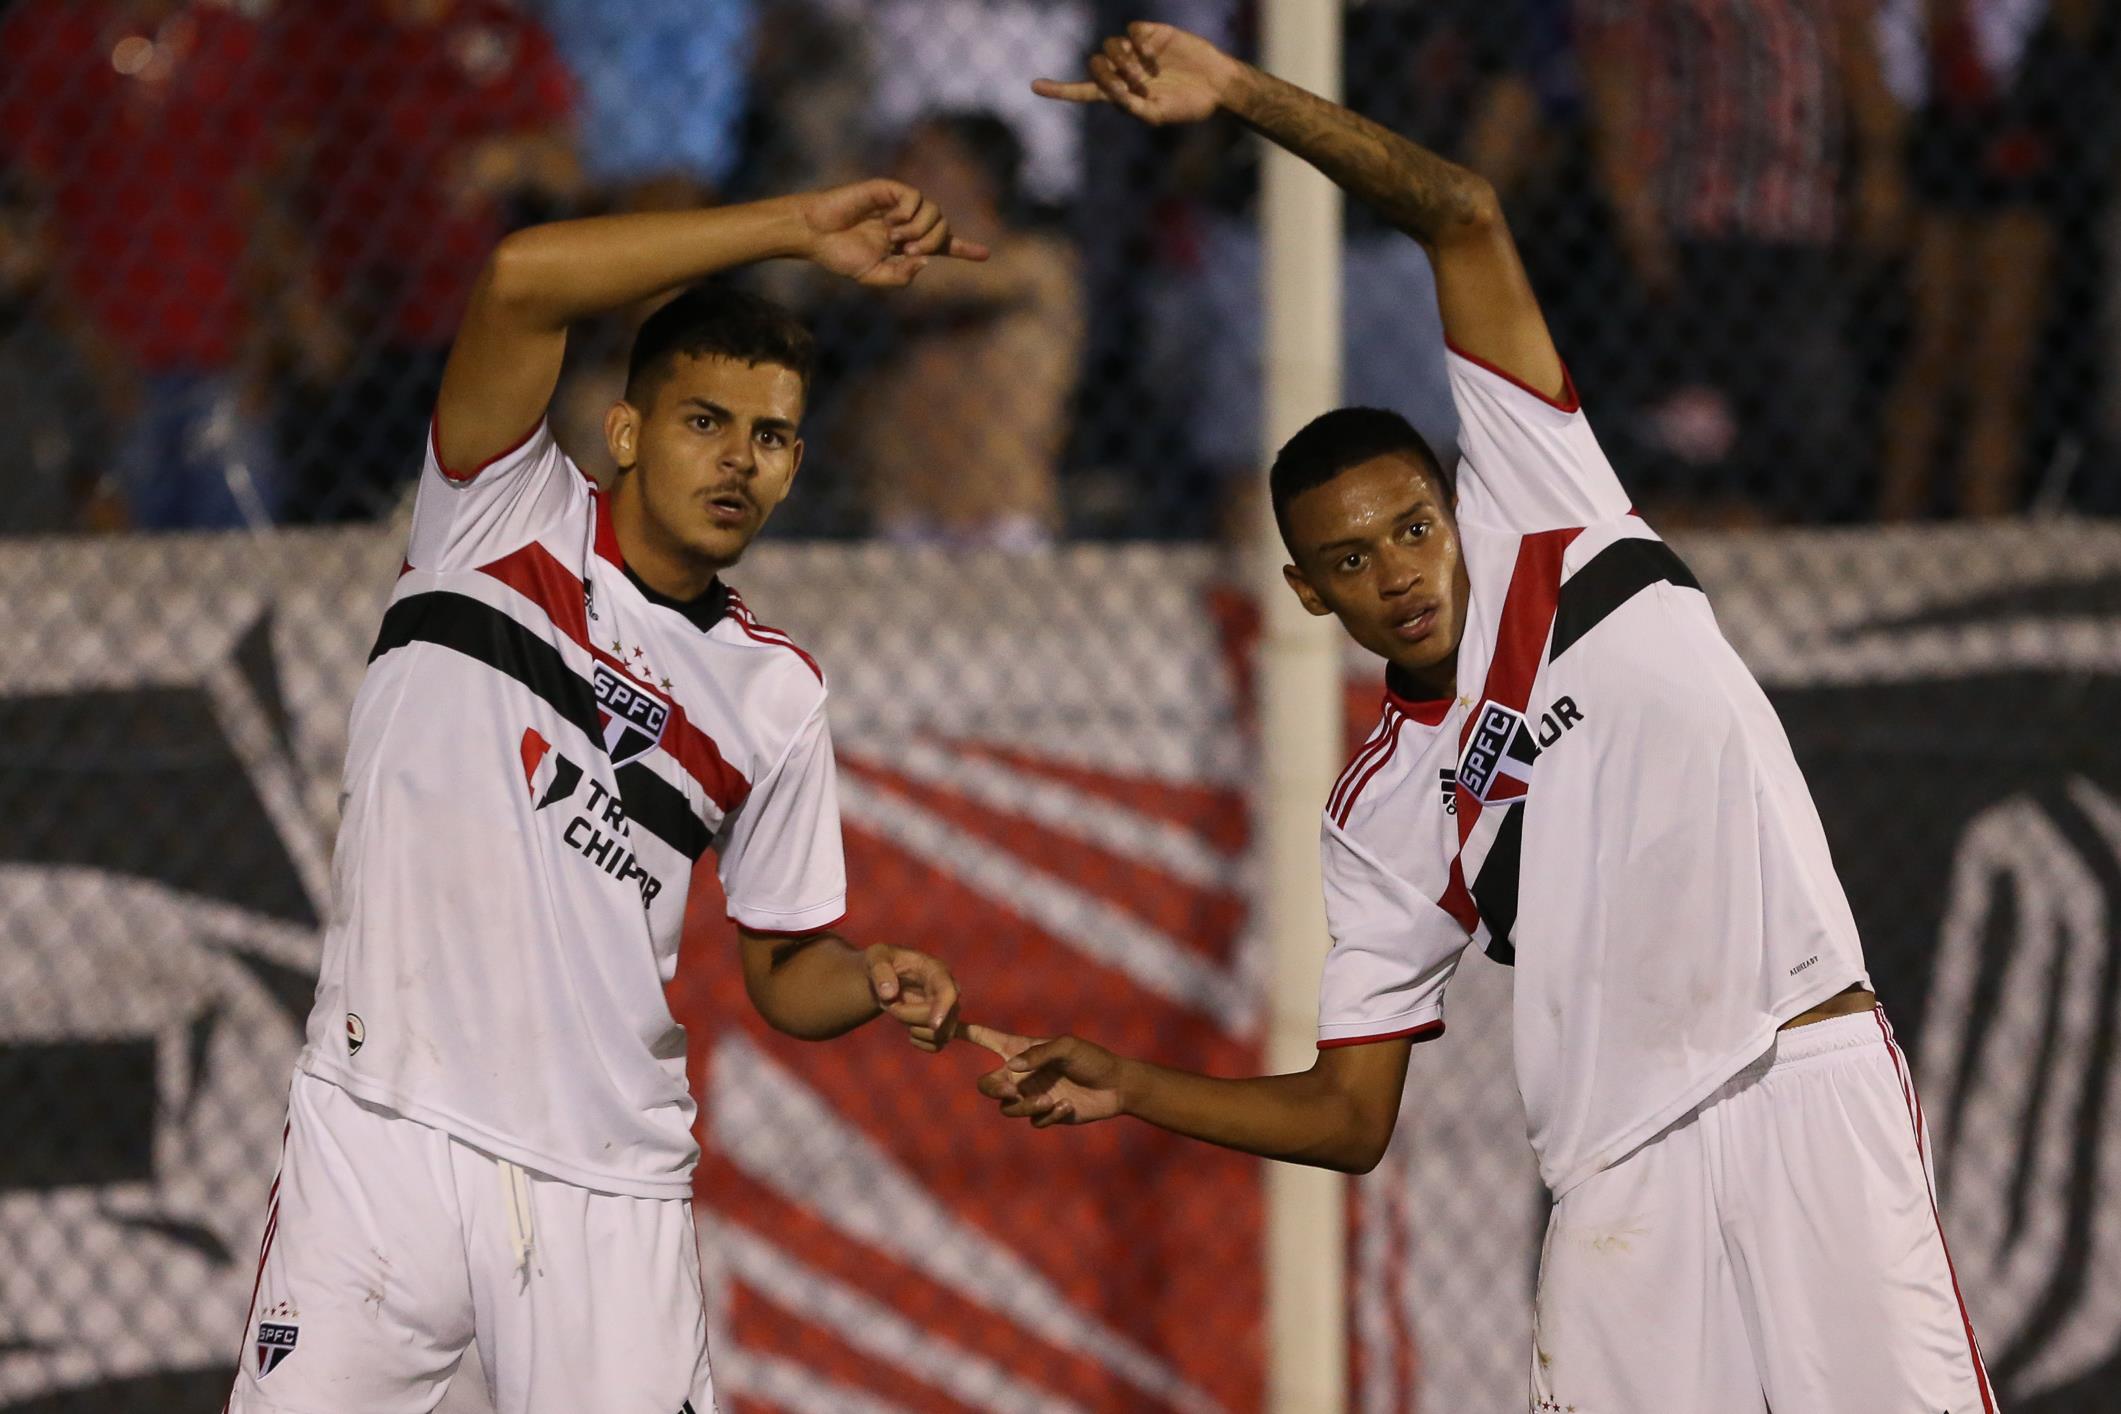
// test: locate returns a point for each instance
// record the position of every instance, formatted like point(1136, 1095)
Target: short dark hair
point(1337, 441)
point(720, 321)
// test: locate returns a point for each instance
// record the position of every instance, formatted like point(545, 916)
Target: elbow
point(507, 279)
point(1476, 213)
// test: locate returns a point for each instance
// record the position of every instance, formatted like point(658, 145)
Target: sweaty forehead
point(749, 390)
point(1363, 502)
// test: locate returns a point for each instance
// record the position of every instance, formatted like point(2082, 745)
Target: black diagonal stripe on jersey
point(1615, 575)
point(1495, 891)
point(485, 634)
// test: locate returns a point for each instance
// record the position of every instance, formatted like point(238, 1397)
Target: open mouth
point(729, 508)
point(1416, 626)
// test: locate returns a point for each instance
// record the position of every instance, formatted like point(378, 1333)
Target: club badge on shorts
point(276, 1338)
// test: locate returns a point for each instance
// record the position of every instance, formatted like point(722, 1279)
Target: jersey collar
point(704, 610)
point(1430, 712)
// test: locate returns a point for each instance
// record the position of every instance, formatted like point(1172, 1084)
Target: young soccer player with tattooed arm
point(1573, 770)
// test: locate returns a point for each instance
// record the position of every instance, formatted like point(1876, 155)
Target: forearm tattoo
point(1410, 186)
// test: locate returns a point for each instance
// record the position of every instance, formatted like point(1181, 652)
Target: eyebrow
point(1424, 504)
point(713, 409)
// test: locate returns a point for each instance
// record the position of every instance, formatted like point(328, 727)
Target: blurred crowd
point(1809, 260)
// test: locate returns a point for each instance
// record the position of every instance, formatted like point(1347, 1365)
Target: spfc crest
point(632, 717)
point(276, 1338)
point(1497, 764)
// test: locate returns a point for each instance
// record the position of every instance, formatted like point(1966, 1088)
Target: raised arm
point(1339, 1114)
point(1162, 74)
point(506, 360)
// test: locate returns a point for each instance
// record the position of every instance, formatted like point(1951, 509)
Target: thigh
point(1637, 1312)
point(585, 1300)
point(362, 1304)
point(1842, 1260)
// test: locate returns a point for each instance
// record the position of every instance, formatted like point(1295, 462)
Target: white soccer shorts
point(1777, 1249)
point(388, 1245)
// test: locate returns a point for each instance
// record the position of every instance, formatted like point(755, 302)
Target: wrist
point(1130, 1084)
point(1238, 86)
point(788, 233)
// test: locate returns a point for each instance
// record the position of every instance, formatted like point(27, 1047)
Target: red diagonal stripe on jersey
point(1215, 813)
point(538, 576)
point(1520, 641)
point(1205, 918)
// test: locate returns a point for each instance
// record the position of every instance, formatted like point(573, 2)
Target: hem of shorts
point(486, 1141)
point(1692, 1095)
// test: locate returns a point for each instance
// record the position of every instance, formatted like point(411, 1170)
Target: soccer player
point(1573, 769)
point(489, 1130)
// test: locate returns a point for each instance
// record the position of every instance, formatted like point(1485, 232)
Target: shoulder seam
point(740, 614)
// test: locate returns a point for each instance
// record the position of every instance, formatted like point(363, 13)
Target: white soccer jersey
point(541, 749)
point(1610, 803)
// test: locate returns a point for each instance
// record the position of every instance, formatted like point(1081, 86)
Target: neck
point(1437, 681)
point(664, 565)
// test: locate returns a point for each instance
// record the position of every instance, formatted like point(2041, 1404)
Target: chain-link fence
point(1815, 264)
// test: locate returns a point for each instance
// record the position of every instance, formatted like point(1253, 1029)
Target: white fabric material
point(1776, 1249)
point(506, 904)
point(389, 1245)
point(1675, 899)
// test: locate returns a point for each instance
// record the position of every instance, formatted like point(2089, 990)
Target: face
point(709, 457)
point(1377, 548)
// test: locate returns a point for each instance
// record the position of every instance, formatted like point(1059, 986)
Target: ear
point(622, 433)
point(1305, 594)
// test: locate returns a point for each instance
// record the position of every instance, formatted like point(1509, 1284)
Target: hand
point(1062, 1081)
point(916, 991)
point(879, 233)
point(1159, 73)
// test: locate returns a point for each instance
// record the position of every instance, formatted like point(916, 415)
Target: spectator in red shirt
point(419, 131)
point(138, 122)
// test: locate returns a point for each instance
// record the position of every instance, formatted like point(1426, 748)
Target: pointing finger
point(1002, 1043)
point(1079, 91)
point(962, 249)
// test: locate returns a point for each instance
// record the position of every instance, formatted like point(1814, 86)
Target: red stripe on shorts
point(1913, 1102)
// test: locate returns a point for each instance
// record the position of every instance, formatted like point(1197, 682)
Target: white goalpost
point(1300, 735)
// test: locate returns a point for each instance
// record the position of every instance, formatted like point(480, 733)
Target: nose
point(1398, 572)
point(737, 454)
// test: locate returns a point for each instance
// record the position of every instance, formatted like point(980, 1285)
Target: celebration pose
point(1573, 769)
point(489, 1130)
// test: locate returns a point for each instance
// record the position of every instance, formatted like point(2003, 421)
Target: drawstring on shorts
point(522, 1226)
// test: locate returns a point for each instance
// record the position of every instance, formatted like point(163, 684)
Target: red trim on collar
point(1429, 713)
point(1567, 402)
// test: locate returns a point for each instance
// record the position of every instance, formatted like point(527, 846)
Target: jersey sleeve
point(780, 858)
point(1529, 462)
point(468, 516)
point(1394, 950)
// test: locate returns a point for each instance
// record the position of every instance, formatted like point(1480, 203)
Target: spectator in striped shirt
point(1720, 127)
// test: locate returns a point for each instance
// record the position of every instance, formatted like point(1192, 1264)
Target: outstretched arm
point(1162, 74)
point(817, 986)
point(1339, 1114)
point(506, 360)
